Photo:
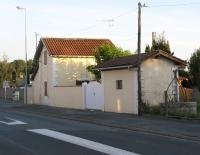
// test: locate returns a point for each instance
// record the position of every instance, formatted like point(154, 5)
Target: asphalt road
point(24, 133)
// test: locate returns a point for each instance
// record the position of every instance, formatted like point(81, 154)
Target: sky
point(178, 19)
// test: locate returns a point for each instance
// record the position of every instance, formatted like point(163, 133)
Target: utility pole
point(139, 60)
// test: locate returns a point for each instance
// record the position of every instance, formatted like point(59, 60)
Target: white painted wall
point(69, 97)
point(30, 95)
point(124, 100)
point(59, 93)
point(67, 70)
point(156, 76)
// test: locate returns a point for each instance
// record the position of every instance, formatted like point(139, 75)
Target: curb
point(134, 129)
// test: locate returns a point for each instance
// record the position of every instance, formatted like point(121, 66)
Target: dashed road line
point(14, 122)
point(82, 142)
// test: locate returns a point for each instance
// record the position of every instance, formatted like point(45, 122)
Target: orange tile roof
point(73, 47)
point(132, 60)
point(68, 47)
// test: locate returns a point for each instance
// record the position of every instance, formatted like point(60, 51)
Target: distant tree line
point(14, 71)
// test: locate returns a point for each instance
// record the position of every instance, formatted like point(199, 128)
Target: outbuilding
point(119, 79)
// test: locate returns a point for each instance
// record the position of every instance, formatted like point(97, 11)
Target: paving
point(181, 129)
point(35, 130)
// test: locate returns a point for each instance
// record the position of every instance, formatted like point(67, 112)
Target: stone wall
point(179, 108)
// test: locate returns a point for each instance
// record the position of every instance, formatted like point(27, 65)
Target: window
point(45, 88)
point(45, 57)
point(119, 84)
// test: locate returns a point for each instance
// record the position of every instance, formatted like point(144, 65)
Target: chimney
point(153, 36)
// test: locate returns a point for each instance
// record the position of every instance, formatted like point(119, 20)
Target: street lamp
point(26, 67)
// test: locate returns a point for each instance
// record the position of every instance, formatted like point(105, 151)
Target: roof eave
point(172, 58)
point(113, 68)
point(71, 56)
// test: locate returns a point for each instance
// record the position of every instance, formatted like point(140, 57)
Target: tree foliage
point(159, 43)
point(147, 49)
point(194, 68)
point(185, 83)
point(105, 53)
point(5, 69)
point(13, 71)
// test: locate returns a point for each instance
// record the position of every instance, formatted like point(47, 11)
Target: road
point(24, 133)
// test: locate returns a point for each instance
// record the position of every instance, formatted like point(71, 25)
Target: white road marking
point(82, 142)
point(14, 122)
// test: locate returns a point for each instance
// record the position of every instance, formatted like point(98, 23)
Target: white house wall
point(36, 90)
point(124, 100)
point(60, 75)
point(69, 97)
point(156, 75)
point(44, 74)
point(67, 70)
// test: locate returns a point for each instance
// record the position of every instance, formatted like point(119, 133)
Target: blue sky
point(76, 18)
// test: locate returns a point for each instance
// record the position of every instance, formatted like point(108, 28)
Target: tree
point(13, 71)
point(105, 53)
point(194, 68)
point(30, 69)
point(159, 43)
point(147, 49)
point(5, 69)
point(185, 83)
point(19, 66)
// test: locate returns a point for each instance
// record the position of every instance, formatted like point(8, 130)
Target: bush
point(155, 110)
point(146, 108)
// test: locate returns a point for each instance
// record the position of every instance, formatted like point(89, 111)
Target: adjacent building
point(119, 78)
point(60, 68)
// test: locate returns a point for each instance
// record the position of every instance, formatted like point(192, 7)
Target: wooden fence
point(185, 94)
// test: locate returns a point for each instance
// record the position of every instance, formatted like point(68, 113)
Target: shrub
point(146, 108)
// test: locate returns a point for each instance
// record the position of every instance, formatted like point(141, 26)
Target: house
point(119, 78)
point(60, 69)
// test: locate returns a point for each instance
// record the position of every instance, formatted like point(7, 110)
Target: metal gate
point(11, 95)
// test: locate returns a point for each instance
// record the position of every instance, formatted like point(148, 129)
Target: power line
point(134, 38)
point(124, 14)
point(87, 28)
point(178, 4)
point(108, 20)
